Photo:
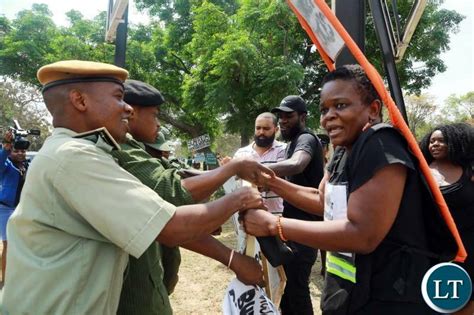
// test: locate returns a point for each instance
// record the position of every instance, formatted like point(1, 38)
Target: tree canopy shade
point(217, 60)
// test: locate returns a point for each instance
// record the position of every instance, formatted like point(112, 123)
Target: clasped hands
point(256, 221)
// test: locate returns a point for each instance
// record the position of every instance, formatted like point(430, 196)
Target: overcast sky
point(458, 79)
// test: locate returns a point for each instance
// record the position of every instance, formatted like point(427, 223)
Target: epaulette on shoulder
point(101, 137)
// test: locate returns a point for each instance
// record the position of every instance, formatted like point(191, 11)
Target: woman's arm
point(202, 186)
point(372, 209)
point(308, 199)
point(195, 221)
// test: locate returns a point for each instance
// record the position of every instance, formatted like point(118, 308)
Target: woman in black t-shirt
point(373, 202)
point(449, 151)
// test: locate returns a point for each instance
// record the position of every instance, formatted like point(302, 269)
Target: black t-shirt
point(384, 148)
point(459, 197)
point(311, 175)
point(391, 273)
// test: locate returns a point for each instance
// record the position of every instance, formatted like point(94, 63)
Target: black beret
point(139, 93)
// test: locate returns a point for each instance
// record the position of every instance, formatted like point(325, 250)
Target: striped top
point(275, 154)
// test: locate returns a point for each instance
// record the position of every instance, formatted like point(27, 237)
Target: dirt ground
point(202, 281)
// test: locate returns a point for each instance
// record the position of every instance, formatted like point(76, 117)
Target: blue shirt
point(10, 177)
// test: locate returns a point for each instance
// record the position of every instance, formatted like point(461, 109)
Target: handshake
point(273, 248)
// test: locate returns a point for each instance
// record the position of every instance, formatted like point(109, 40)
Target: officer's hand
point(259, 223)
point(247, 269)
point(249, 198)
point(250, 170)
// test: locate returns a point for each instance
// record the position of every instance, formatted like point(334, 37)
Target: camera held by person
point(19, 136)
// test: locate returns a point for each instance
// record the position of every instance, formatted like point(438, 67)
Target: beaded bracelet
point(280, 230)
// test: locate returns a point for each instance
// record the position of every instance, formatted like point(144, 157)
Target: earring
point(368, 124)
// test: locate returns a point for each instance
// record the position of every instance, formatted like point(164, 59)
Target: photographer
point(13, 166)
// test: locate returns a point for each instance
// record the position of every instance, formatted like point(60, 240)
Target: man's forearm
point(285, 168)
point(203, 186)
point(247, 269)
point(210, 247)
point(294, 165)
point(193, 222)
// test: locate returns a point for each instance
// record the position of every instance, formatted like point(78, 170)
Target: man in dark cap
point(325, 141)
point(303, 166)
point(144, 287)
point(81, 215)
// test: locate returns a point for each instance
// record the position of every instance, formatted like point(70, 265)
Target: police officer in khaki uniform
point(80, 215)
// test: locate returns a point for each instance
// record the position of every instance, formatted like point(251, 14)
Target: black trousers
point(296, 298)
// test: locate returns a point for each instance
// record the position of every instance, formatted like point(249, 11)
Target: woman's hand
point(260, 223)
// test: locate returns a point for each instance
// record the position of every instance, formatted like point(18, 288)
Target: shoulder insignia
point(101, 137)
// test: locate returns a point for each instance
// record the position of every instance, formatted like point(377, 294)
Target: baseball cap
point(291, 103)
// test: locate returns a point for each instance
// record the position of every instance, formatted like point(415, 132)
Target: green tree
point(23, 102)
point(420, 113)
point(421, 61)
point(218, 62)
point(26, 42)
point(459, 108)
point(260, 43)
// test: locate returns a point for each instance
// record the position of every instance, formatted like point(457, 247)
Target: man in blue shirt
point(13, 165)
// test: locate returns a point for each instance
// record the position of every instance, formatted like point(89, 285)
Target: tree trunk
point(194, 131)
point(244, 138)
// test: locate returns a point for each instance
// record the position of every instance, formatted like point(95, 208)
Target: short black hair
point(459, 138)
point(354, 72)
